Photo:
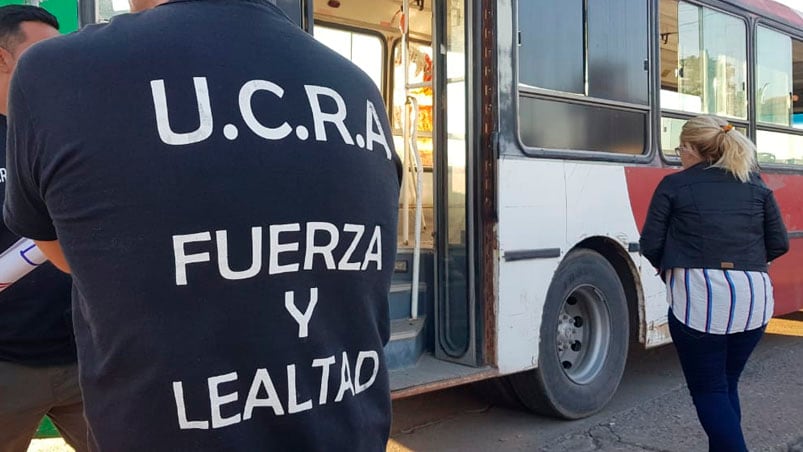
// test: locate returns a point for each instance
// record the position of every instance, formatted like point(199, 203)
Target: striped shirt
point(720, 301)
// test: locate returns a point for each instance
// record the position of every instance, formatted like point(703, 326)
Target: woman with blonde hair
point(711, 230)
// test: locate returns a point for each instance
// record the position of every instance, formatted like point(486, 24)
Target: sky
point(796, 4)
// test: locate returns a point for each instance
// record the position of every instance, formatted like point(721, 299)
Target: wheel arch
point(616, 254)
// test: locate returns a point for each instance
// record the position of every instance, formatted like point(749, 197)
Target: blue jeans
point(712, 364)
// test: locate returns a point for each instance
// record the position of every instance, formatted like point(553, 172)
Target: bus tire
point(498, 392)
point(584, 340)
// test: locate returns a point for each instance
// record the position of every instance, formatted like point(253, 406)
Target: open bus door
point(457, 323)
point(427, 83)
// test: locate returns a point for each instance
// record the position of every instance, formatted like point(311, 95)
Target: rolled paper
point(18, 260)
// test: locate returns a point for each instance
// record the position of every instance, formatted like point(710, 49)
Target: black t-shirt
point(225, 191)
point(35, 322)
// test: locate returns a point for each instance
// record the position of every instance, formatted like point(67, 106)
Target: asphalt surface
point(651, 411)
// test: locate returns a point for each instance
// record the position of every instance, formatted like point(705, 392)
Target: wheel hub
point(567, 332)
point(583, 334)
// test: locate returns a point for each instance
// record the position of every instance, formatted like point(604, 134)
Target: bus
point(533, 134)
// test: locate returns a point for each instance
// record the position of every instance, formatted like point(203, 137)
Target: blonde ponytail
point(721, 145)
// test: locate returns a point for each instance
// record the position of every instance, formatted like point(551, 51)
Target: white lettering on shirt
point(166, 132)
point(345, 379)
point(323, 250)
point(262, 380)
point(324, 364)
point(344, 264)
point(319, 98)
point(320, 118)
point(246, 93)
point(277, 248)
point(374, 253)
point(182, 259)
point(216, 400)
point(292, 393)
point(298, 388)
point(223, 255)
point(361, 357)
point(344, 248)
point(302, 318)
point(371, 136)
point(181, 409)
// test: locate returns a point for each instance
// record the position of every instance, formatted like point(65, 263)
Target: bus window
point(779, 148)
point(670, 136)
point(703, 60)
point(363, 49)
point(599, 51)
point(593, 49)
point(797, 84)
point(773, 77)
point(779, 82)
point(552, 51)
point(617, 50)
point(563, 125)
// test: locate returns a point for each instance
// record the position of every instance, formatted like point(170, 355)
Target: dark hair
point(12, 16)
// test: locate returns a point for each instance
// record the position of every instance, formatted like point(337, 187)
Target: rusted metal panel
point(489, 245)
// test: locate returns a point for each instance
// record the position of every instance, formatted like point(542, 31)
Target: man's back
point(225, 192)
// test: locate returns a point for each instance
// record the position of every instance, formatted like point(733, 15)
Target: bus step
point(407, 337)
point(399, 300)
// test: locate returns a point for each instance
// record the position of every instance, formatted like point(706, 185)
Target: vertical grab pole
point(405, 189)
point(419, 203)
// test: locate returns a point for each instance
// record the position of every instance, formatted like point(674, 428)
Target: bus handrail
point(419, 202)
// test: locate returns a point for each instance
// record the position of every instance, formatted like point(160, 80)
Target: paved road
point(651, 411)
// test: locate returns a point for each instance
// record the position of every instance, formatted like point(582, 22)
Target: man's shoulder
point(52, 55)
point(91, 42)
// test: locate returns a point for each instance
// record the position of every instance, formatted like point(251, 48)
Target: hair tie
point(727, 128)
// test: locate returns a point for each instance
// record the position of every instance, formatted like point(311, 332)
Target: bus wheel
point(584, 340)
point(499, 392)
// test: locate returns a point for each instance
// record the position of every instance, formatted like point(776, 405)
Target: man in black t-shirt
point(38, 370)
point(225, 193)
